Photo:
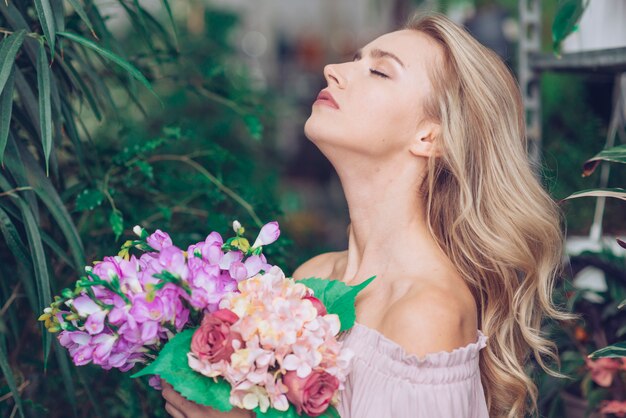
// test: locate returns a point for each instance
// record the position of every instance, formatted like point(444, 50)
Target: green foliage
point(171, 365)
point(337, 297)
point(565, 22)
point(87, 152)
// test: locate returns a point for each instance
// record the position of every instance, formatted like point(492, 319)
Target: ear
point(424, 143)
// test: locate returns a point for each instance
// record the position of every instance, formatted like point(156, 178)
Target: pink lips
point(326, 98)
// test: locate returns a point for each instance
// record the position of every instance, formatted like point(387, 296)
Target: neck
point(388, 223)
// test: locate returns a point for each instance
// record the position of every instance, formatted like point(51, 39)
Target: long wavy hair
point(490, 214)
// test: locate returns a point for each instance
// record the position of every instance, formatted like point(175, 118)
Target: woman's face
point(379, 97)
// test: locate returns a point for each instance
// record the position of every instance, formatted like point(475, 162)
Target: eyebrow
point(379, 53)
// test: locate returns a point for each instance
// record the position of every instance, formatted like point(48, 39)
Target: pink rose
point(603, 370)
point(311, 394)
point(614, 407)
point(213, 340)
point(317, 304)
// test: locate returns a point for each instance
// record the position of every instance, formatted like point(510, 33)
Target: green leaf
point(45, 112)
point(617, 193)
point(47, 193)
point(614, 351)
point(134, 72)
point(89, 199)
point(337, 297)
point(46, 18)
point(66, 374)
point(117, 223)
point(78, 8)
point(6, 107)
point(331, 412)
point(166, 3)
point(10, 379)
point(8, 49)
point(255, 128)
point(614, 154)
point(171, 365)
point(567, 16)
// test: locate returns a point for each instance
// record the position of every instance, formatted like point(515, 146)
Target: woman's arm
point(179, 407)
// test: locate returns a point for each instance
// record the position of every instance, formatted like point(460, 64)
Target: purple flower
point(85, 306)
point(95, 322)
point(238, 271)
point(159, 240)
point(269, 233)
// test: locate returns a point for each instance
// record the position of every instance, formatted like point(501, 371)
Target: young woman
point(425, 128)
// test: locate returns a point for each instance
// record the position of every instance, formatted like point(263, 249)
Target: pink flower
point(603, 370)
point(269, 233)
point(159, 240)
point(317, 304)
point(614, 407)
point(311, 394)
point(213, 340)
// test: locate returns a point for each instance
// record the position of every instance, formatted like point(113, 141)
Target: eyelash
point(378, 73)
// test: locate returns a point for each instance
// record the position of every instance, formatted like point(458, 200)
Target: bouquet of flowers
point(221, 325)
point(125, 308)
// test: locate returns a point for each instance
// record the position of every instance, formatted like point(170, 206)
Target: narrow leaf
point(59, 14)
point(166, 3)
point(6, 108)
point(614, 154)
point(46, 18)
point(78, 8)
point(134, 72)
point(617, 193)
point(41, 269)
point(66, 374)
point(45, 112)
point(8, 49)
point(171, 365)
point(10, 379)
point(45, 190)
point(613, 351)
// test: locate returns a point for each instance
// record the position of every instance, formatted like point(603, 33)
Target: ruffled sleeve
point(385, 381)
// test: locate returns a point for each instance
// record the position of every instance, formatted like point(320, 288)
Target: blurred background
point(207, 127)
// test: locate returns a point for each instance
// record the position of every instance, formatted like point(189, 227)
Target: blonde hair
point(489, 213)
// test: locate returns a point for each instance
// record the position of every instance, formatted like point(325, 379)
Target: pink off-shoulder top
point(387, 382)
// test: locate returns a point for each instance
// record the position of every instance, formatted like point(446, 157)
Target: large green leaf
point(45, 112)
point(615, 350)
point(10, 379)
point(6, 107)
point(614, 154)
point(567, 16)
point(46, 18)
point(617, 193)
point(171, 365)
point(8, 49)
point(337, 297)
point(128, 67)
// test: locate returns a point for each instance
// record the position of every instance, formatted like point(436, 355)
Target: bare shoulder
point(319, 266)
point(431, 319)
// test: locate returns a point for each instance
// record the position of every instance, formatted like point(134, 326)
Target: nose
point(333, 75)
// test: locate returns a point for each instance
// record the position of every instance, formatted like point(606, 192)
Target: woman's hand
point(179, 407)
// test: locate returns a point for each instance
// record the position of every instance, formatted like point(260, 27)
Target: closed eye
point(378, 73)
